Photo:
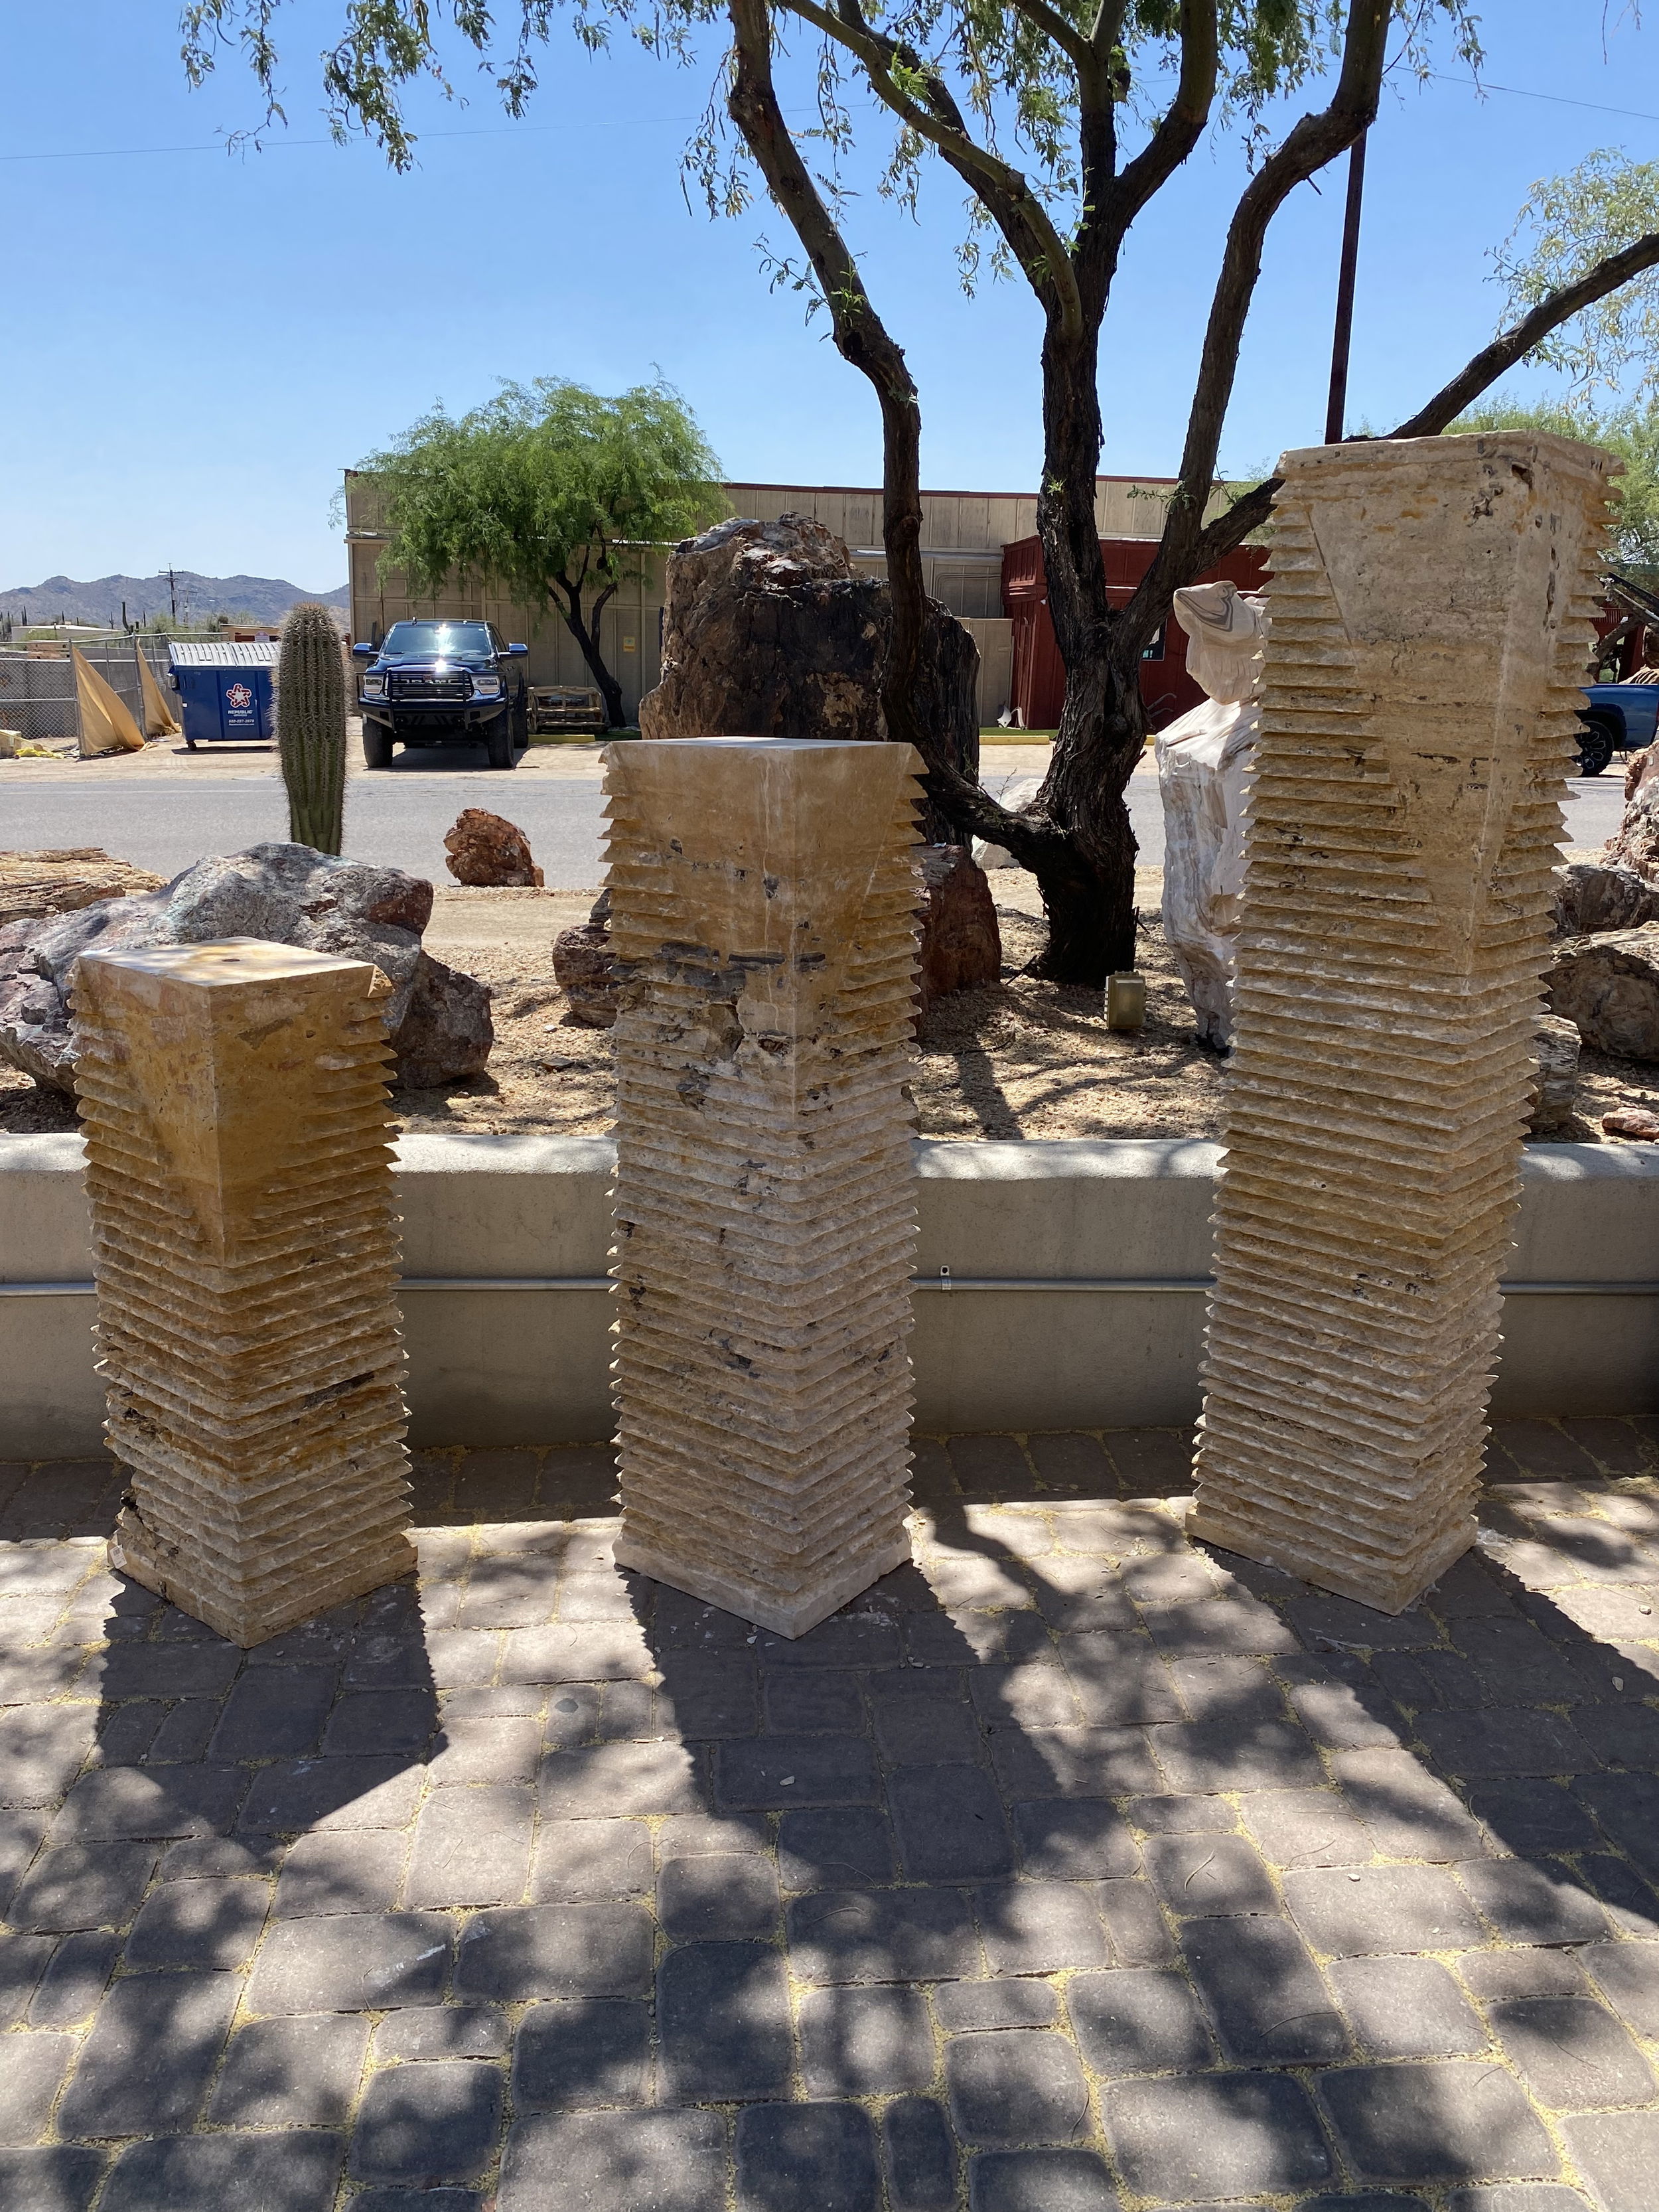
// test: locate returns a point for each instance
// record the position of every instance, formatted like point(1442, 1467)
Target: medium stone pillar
point(763, 901)
point(1430, 606)
point(245, 1243)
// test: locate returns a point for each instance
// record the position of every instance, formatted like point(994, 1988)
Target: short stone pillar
point(763, 922)
point(245, 1243)
point(1430, 606)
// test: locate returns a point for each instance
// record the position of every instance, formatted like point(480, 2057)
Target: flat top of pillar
point(223, 961)
point(1450, 451)
point(764, 744)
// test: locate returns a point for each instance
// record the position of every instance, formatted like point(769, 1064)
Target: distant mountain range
point(268, 598)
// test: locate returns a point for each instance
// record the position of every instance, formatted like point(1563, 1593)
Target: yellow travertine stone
point(1431, 611)
point(239, 1170)
point(764, 898)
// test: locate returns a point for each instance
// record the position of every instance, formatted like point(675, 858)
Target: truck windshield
point(436, 640)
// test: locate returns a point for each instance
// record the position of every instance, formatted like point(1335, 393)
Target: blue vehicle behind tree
point(429, 683)
point(1616, 718)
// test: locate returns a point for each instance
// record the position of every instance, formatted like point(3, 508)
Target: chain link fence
point(37, 682)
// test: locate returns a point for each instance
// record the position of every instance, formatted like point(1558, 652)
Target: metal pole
point(1337, 406)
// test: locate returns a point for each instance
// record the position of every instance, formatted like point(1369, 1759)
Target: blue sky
point(198, 344)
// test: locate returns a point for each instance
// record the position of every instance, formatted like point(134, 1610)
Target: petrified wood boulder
point(961, 942)
point(1555, 1074)
point(437, 1019)
point(488, 850)
point(1608, 987)
point(770, 632)
point(60, 881)
point(1592, 895)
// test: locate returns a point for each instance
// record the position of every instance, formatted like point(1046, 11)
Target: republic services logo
point(239, 696)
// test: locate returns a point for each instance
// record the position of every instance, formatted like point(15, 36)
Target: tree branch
point(1065, 34)
point(1312, 142)
point(1019, 214)
point(1182, 123)
point(1228, 531)
point(1511, 345)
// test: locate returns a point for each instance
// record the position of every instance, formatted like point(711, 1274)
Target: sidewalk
point(1072, 1868)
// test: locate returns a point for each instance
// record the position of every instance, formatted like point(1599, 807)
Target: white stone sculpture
point(763, 901)
point(1432, 603)
point(1203, 760)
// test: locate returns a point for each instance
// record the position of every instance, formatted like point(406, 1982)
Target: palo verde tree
point(1064, 120)
point(551, 493)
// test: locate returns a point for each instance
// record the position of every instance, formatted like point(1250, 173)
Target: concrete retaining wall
point(490, 1367)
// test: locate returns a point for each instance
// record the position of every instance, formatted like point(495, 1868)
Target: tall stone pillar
point(245, 1244)
point(763, 903)
point(1430, 606)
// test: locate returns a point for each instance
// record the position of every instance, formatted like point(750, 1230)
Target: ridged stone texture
point(1431, 604)
point(239, 1170)
point(763, 921)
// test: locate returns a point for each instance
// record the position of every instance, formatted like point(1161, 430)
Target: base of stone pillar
point(134, 1550)
point(1383, 1592)
point(762, 1606)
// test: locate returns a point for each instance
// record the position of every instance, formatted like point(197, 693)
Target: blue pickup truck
point(1616, 718)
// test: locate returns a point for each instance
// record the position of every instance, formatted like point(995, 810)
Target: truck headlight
point(374, 687)
point(486, 687)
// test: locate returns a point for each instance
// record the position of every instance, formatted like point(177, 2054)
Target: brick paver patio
point(1074, 1867)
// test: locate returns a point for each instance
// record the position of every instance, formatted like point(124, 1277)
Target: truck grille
point(421, 684)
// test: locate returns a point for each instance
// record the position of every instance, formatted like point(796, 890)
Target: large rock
point(1635, 843)
point(584, 971)
point(1590, 896)
point(961, 943)
point(768, 632)
point(1608, 987)
point(1555, 1075)
point(438, 1020)
point(63, 880)
point(486, 849)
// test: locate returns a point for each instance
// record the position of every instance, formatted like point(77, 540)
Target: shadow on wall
point(1070, 1858)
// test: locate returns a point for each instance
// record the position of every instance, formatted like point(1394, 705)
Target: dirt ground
point(1022, 1059)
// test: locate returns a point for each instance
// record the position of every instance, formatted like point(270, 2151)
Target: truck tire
point(498, 737)
point(377, 746)
point(1597, 740)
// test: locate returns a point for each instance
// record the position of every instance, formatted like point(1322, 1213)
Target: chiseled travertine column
point(238, 1168)
point(764, 898)
point(1431, 607)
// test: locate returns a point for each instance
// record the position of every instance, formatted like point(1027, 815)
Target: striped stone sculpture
point(764, 898)
point(245, 1245)
point(1431, 607)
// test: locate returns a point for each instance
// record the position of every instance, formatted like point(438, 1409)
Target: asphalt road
point(399, 822)
point(168, 821)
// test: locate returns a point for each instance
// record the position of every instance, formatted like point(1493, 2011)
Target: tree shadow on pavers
point(1297, 1756)
point(159, 1781)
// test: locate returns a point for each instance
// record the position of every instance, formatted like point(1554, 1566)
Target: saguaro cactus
point(311, 726)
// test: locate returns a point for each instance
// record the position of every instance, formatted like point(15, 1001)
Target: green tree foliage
point(552, 495)
point(1632, 433)
point(1568, 225)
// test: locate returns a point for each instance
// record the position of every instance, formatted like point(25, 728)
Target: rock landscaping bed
point(1018, 1059)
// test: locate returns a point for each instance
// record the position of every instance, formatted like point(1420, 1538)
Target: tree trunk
point(1091, 904)
point(585, 631)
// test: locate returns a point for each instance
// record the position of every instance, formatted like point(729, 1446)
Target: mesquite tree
point(1102, 101)
point(552, 494)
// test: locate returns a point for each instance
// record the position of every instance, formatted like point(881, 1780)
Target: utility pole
point(1337, 406)
point(173, 593)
